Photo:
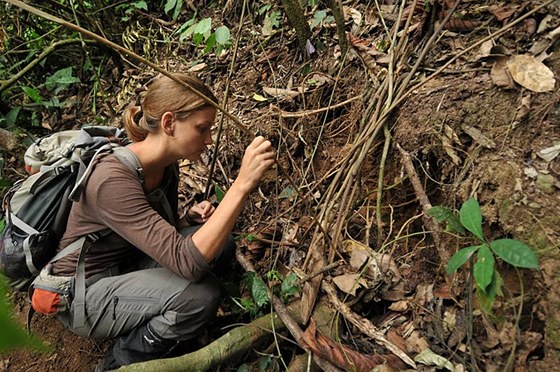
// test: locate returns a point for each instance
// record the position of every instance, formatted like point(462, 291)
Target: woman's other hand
point(259, 157)
point(201, 212)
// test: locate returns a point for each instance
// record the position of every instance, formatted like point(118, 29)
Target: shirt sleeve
point(119, 202)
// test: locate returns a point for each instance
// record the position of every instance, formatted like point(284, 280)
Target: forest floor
point(472, 131)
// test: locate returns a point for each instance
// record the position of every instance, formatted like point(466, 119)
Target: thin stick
point(424, 202)
point(224, 104)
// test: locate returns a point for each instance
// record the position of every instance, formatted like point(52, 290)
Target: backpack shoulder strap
point(128, 158)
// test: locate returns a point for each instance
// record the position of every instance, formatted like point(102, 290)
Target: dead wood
point(364, 325)
point(425, 203)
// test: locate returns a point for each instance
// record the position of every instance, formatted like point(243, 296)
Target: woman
point(148, 284)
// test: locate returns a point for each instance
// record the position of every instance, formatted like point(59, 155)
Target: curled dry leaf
point(349, 283)
point(500, 74)
point(523, 109)
point(530, 73)
point(282, 93)
point(429, 358)
point(342, 356)
point(379, 262)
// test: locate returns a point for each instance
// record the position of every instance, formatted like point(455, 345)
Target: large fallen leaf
point(342, 356)
point(349, 283)
point(530, 73)
point(550, 153)
point(429, 358)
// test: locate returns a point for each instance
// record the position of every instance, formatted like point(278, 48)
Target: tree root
point(230, 346)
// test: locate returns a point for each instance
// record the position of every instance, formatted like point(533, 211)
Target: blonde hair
point(163, 95)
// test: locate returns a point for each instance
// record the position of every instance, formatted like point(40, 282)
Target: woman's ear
point(168, 123)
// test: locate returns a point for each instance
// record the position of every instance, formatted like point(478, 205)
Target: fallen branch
point(287, 114)
point(364, 325)
point(425, 203)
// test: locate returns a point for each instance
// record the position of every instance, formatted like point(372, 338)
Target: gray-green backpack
point(36, 209)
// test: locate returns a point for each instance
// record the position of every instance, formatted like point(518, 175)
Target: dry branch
point(364, 325)
point(425, 203)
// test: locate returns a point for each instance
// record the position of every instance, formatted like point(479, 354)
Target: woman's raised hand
point(259, 157)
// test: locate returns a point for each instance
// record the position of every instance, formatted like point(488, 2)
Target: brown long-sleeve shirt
point(114, 199)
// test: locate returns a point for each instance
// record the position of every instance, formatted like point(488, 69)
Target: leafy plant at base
point(487, 279)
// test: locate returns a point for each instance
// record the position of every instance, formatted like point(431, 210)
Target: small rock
point(545, 183)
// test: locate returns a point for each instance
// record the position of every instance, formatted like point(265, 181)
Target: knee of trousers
point(199, 301)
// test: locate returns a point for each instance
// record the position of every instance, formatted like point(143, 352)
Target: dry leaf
point(478, 136)
point(429, 358)
point(500, 74)
point(399, 306)
point(416, 343)
point(282, 93)
point(528, 72)
point(523, 109)
point(342, 356)
point(504, 12)
point(349, 283)
point(424, 294)
point(196, 68)
point(550, 153)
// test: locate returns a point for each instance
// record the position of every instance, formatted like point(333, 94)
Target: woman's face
point(193, 134)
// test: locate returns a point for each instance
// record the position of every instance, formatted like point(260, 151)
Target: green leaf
point(12, 335)
point(288, 192)
point(11, 116)
point(289, 286)
point(33, 94)
point(169, 5)
point(61, 79)
point(258, 291)
point(471, 218)
point(318, 17)
point(459, 258)
point(210, 42)
point(177, 11)
point(484, 267)
point(203, 27)
point(515, 253)
point(140, 5)
point(222, 35)
point(443, 214)
point(219, 193)
point(487, 298)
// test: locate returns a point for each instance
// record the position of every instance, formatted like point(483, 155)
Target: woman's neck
point(153, 161)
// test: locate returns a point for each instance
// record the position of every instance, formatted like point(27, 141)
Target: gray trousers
point(172, 307)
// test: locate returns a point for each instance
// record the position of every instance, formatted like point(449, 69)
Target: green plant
point(320, 17)
point(201, 33)
point(487, 279)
